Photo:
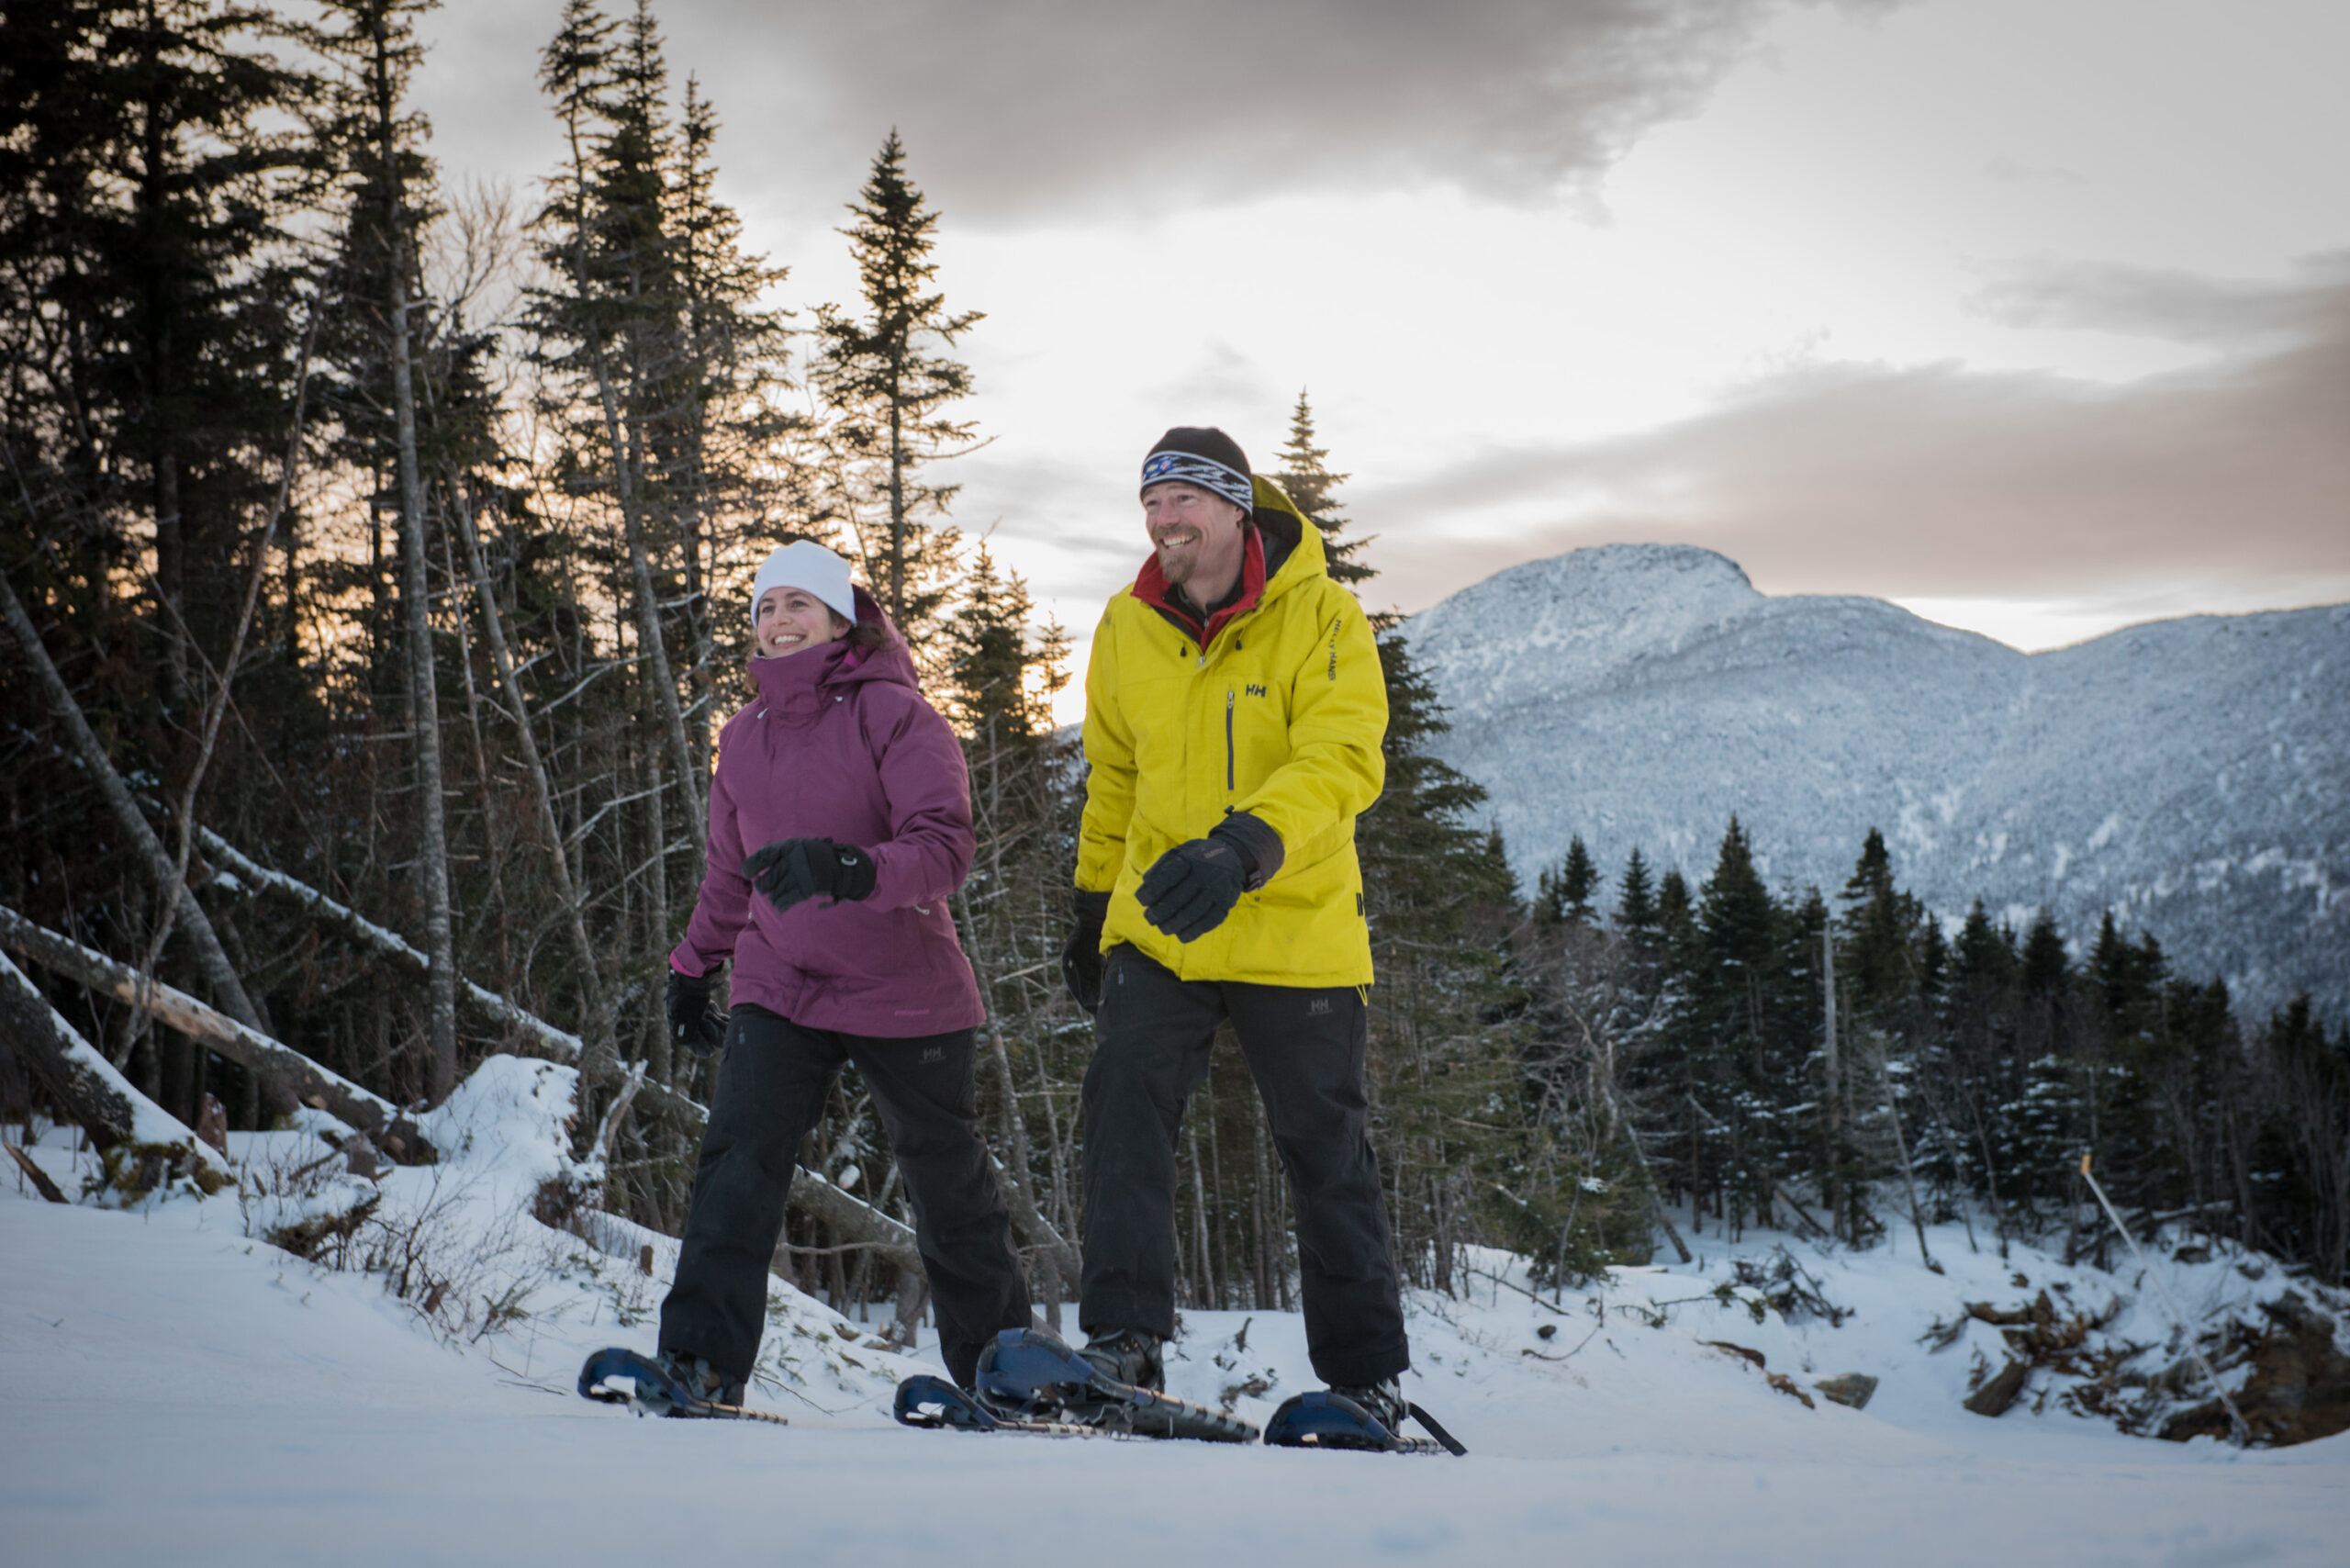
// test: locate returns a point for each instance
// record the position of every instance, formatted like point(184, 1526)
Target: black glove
point(1082, 955)
point(1194, 886)
point(695, 1021)
point(793, 871)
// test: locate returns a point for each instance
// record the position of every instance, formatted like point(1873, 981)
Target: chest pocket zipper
point(1228, 698)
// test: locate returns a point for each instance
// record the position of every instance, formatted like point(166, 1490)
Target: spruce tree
point(1306, 478)
point(374, 138)
point(888, 389)
point(1636, 915)
point(1563, 896)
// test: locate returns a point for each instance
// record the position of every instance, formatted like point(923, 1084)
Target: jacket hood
point(1293, 545)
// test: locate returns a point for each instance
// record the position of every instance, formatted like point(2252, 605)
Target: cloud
point(1024, 108)
point(1939, 481)
point(2157, 303)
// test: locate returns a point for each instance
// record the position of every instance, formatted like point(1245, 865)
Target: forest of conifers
point(375, 567)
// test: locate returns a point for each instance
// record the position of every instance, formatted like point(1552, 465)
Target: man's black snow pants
point(771, 1090)
point(1305, 1048)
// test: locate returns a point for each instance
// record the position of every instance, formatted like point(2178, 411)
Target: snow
point(2193, 776)
point(173, 1389)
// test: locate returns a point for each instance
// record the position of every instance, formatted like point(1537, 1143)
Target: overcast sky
point(2032, 315)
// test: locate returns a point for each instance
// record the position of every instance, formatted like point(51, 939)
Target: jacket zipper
point(1227, 740)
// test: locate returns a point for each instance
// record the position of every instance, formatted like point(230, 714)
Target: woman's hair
point(865, 636)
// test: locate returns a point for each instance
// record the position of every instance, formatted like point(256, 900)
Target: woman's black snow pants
point(771, 1090)
point(1305, 1048)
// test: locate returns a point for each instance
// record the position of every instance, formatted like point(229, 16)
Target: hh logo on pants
point(932, 1052)
point(1317, 1008)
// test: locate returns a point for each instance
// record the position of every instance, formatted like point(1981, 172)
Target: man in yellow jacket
point(1233, 712)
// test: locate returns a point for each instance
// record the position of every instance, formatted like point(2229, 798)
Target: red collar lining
point(1151, 587)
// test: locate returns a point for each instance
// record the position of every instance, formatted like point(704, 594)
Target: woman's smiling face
point(792, 620)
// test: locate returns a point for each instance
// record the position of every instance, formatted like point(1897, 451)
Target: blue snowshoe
point(1031, 1375)
point(1361, 1420)
point(664, 1386)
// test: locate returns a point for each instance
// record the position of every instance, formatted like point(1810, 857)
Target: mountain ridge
point(2192, 775)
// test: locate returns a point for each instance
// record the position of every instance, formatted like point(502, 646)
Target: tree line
point(378, 549)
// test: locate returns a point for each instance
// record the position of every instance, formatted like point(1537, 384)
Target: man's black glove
point(1082, 955)
point(695, 1021)
point(793, 871)
point(1194, 886)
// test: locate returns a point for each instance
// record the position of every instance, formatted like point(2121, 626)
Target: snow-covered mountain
point(2193, 776)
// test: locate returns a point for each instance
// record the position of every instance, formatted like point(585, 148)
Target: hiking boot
point(1128, 1356)
point(1383, 1400)
point(701, 1380)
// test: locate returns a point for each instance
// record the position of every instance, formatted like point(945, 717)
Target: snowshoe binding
point(670, 1384)
point(1367, 1420)
point(1031, 1375)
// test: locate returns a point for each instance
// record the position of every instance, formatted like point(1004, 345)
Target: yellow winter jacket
point(1280, 716)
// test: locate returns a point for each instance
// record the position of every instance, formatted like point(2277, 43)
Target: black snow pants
point(1305, 1048)
point(771, 1090)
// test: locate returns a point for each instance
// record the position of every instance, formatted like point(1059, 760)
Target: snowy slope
point(173, 1390)
point(2193, 776)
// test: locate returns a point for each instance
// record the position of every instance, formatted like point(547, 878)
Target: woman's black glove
point(695, 1021)
point(793, 871)
point(1082, 955)
point(1194, 886)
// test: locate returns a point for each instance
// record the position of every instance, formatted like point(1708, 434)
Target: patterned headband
point(1205, 472)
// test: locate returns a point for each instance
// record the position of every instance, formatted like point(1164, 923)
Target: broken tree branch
point(560, 1044)
point(85, 1085)
point(249, 1048)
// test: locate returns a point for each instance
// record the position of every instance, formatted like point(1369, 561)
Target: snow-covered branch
point(85, 1084)
point(558, 1043)
point(250, 1048)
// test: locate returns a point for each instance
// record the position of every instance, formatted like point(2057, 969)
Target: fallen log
point(848, 1217)
point(558, 1043)
point(88, 1090)
point(288, 1068)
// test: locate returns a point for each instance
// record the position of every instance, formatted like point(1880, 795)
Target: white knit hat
point(809, 565)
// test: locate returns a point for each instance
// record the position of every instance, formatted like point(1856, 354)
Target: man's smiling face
point(1197, 535)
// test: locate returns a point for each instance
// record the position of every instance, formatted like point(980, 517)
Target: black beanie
point(1205, 458)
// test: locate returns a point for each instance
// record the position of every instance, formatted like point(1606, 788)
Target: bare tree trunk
point(210, 958)
point(602, 1056)
point(648, 605)
point(424, 708)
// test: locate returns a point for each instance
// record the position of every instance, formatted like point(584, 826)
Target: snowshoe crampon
point(617, 1375)
point(1030, 1376)
point(1325, 1418)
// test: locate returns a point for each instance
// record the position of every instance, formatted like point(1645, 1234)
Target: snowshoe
point(1361, 1420)
point(666, 1385)
point(924, 1400)
point(1031, 1374)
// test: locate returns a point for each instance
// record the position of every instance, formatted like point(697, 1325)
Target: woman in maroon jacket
point(840, 823)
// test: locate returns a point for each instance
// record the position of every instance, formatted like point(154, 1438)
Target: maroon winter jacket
point(841, 744)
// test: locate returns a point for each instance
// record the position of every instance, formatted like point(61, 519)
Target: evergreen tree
point(1876, 963)
point(887, 391)
point(1305, 478)
point(374, 138)
point(2045, 969)
point(1636, 914)
point(1564, 895)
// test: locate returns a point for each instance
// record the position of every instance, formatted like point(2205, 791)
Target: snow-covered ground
point(173, 1390)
